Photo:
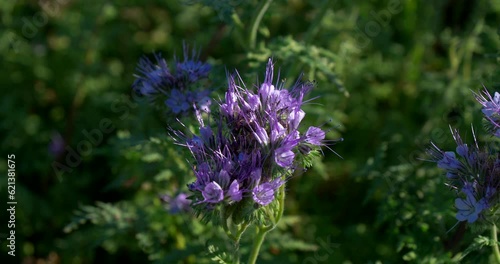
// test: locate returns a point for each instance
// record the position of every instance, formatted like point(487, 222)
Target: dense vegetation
point(93, 161)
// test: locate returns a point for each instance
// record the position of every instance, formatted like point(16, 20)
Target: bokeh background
point(391, 76)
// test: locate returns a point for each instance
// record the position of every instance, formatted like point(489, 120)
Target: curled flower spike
point(191, 69)
point(174, 86)
point(473, 173)
point(253, 144)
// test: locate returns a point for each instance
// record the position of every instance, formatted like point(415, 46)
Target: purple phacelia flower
point(463, 150)
point(469, 209)
point(177, 101)
point(212, 193)
point(491, 110)
point(261, 135)
point(263, 194)
point(153, 78)
point(449, 161)
point(315, 135)
point(234, 191)
point(56, 145)
point(191, 69)
point(177, 204)
point(174, 86)
point(284, 156)
point(253, 144)
point(474, 173)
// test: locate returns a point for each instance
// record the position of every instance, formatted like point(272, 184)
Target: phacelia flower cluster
point(176, 204)
point(472, 172)
point(491, 110)
point(251, 145)
point(179, 87)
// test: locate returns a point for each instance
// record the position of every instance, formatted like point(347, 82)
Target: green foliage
point(117, 217)
point(387, 92)
point(317, 61)
point(218, 256)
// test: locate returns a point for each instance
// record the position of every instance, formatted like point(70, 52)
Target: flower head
point(175, 86)
point(253, 144)
point(491, 110)
point(474, 174)
point(191, 69)
point(315, 135)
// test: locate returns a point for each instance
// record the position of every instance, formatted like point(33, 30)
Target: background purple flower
point(474, 172)
point(177, 204)
point(56, 145)
point(177, 87)
point(491, 110)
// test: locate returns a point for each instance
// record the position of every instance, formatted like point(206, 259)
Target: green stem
point(223, 219)
point(256, 23)
point(263, 230)
point(239, 233)
point(256, 245)
point(495, 240)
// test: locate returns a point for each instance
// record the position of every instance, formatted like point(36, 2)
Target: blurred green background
point(391, 76)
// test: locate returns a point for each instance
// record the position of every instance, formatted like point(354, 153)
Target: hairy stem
point(225, 226)
point(256, 245)
point(495, 240)
point(236, 250)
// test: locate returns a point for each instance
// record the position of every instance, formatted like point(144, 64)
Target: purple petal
point(234, 191)
point(295, 118)
point(212, 193)
point(263, 194)
point(284, 158)
point(449, 161)
point(463, 150)
point(224, 178)
point(261, 135)
point(461, 205)
point(256, 174)
point(315, 135)
point(253, 102)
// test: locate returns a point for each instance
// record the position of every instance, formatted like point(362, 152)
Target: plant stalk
point(256, 23)
point(239, 233)
point(263, 230)
point(261, 234)
point(494, 236)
